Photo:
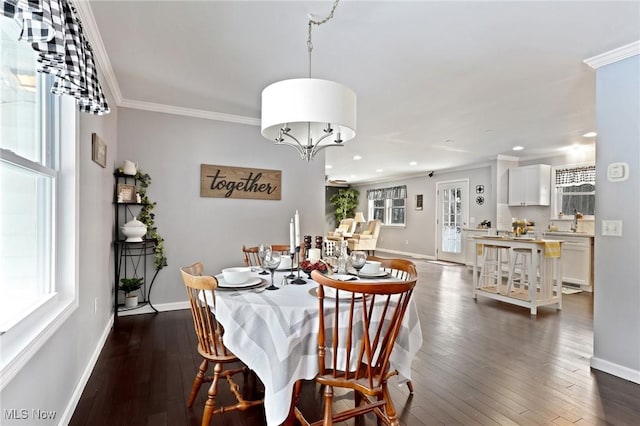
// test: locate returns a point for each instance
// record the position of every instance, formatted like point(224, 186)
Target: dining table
point(275, 332)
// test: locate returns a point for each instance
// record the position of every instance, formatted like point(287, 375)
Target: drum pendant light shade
point(312, 113)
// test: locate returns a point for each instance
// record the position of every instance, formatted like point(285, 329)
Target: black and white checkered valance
point(576, 176)
point(55, 33)
point(387, 193)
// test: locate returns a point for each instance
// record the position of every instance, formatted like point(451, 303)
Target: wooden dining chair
point(201, 290)
point(402, 269)
point(250, 254)
point(360, 324)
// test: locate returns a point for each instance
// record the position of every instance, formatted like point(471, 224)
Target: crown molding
point(507, 157)
point(615, 55)
point(196, 113)
point(92, 33)
point(90, 28)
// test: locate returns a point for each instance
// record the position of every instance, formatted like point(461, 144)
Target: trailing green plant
point(130, 284)
point(345, 202)
point(147, 217)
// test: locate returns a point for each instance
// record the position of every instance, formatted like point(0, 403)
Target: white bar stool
point(519, 269)
point(492, 264)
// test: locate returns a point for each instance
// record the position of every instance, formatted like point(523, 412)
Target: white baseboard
point(408, 254)
point(162, 307)
point(616, 369)
point(77, 393)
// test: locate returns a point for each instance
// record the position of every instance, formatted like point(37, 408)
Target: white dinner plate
point(381, 274)
point(262, 283)
point(252, 281)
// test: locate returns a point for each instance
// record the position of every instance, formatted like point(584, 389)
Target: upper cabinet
point(530, 185)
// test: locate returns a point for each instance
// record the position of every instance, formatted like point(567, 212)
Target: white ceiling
point(444, 84)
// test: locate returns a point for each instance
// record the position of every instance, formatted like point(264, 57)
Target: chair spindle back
point(201, 293)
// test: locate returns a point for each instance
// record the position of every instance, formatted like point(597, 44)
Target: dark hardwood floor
point(483, 362)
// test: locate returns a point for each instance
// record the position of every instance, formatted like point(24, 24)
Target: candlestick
point(292, 254)
point(298, 280)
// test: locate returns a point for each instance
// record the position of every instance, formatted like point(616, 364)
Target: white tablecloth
point(275, 334)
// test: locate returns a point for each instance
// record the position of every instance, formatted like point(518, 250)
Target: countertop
point(568, 234)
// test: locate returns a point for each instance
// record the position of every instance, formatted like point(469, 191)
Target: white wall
point(212, 230)
point(420, 229)
point(617, 259)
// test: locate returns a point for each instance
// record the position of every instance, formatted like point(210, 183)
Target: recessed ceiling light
point(590, 135)
point(357, 157)
point(518, 148)
point(378, 170)
point(449, 141)
point(354, 176)
point(413, 163)
point(328, 166)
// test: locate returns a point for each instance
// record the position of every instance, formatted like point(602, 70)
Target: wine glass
point(262, 251)
point(358, 259)
point(272, 261)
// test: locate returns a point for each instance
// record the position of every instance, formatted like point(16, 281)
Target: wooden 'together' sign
point(239, 182)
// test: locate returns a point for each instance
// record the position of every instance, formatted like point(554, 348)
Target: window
point(37, 204)
point(388, 205)
point(575, 190)
point(378, 208)
point(27, 180)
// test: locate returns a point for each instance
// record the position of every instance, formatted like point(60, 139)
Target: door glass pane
point(451, 220)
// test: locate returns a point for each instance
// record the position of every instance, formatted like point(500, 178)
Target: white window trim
point(553, 213)
point(26, 337)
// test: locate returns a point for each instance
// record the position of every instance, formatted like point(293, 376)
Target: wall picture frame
point(126, 193)
point(98, 150)
point(419, 202)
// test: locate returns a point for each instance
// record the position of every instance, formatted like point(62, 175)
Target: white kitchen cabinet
point(577, 258)
point(470, 244)
point(530, 185)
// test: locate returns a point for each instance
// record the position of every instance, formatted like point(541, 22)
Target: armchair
point(367, 239)
point(345, 228)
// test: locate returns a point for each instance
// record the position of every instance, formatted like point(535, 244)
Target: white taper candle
point(297, 228)
point(292, 247)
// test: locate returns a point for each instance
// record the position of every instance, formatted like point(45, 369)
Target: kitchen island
point(544, 272)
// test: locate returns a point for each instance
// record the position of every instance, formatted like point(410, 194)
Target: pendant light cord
point(314, 22)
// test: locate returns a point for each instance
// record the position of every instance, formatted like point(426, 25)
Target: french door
point(452, 216)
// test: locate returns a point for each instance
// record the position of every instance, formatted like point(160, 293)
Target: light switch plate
point(612, 228)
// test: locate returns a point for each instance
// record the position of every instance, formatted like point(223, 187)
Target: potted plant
point(129, 286)
point(345, 202)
